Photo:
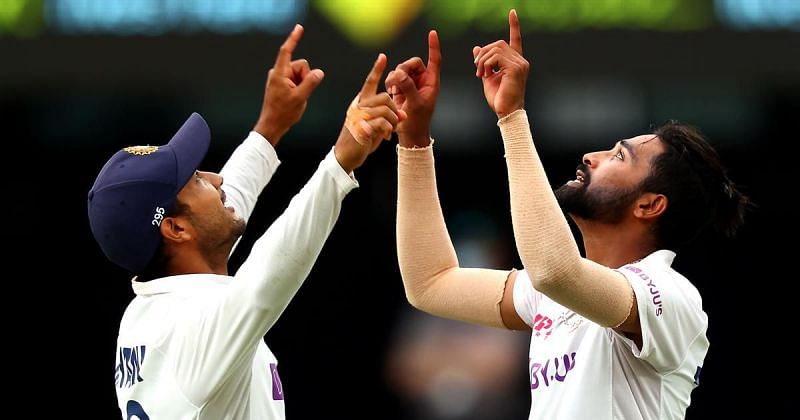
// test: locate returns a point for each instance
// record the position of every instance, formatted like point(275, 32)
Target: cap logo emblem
point(141, 150)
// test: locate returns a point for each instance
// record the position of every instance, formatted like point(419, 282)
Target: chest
point(553, 323)
point(563, 345)
point(559, 335)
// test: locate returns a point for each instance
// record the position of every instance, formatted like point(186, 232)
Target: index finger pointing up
point(434, 52)
point(374, 78)
point(285, 53)
point(515, 37)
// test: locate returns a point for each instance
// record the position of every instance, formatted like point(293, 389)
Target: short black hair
point(699, 193)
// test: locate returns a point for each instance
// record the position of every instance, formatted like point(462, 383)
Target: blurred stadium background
point(80, 79)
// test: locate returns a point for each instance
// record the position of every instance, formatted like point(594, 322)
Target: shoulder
point(654, 278)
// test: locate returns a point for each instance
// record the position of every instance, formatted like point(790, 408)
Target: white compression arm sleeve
point(432, 278)
point(544, 240)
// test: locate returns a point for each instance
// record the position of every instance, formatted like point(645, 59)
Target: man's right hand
point(289, 85)
point(503, 70)
point(374, 117)
point(414, 88)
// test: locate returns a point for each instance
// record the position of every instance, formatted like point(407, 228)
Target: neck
point(197, 267)
point(196, 262)
point(614, 245)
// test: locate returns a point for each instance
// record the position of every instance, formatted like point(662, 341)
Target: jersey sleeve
point(247, 172)
point(670, 315)
point(228, 328)
point(526, 298)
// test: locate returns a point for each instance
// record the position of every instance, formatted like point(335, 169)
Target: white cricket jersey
point(191, 346)
point(581, 370)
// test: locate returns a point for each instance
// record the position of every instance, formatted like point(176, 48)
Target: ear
point(176, 229)
point(650, 206)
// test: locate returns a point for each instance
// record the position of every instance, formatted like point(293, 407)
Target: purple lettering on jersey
point(569, 362)
point(655, 294)
point(277, 387)
point(548, 374)
point(636, 270)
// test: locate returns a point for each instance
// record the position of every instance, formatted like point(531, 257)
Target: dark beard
point(239, 228)
point(220, 236)
point(602, 204)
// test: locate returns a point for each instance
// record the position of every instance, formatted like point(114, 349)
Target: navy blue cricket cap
point(136, 187)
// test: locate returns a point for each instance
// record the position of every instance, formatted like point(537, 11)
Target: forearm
point(282, 258)
point(432, 278)
point(537, 219)
point(247, 172)
point(544, 241)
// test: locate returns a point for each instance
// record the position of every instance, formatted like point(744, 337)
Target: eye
point(197, 176)
point(619, 155)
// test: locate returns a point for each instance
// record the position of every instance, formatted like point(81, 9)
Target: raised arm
point(283, 257)
point(544, 240)
point(288, 87)
point(224, 331)
point(433, 280)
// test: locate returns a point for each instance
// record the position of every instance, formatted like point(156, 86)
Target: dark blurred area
point(349, 344)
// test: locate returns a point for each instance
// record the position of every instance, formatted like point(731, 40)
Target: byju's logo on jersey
point(277, 386)
point(655, 294)
point(555, 369)
point(129, 364)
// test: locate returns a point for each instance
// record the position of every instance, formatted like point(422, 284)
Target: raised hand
point(289, 85)
point(503, 70)
point(415, 88)
point(371, 118)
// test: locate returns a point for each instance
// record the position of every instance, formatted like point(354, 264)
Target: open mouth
point(224, 198)
point(580, 178)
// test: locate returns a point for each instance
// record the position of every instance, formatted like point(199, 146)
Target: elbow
point(415, 300)
point(550, 281)
point(420, 291)
point(541, 282)
point(416, 296)
point(423, 281)
point(552, 273)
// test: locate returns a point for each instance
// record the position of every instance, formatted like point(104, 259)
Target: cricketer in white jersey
point(191, 346)
point(617, 334)
point(581, 370)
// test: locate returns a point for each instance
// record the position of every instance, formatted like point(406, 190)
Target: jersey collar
point(663, 256)
point(181, 283)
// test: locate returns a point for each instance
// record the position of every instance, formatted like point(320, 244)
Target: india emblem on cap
point(140, 150)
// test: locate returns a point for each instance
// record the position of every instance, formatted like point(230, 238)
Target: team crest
point(141, 150)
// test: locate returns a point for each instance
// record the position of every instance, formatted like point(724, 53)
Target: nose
point(591, 159)
point(214, 178)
